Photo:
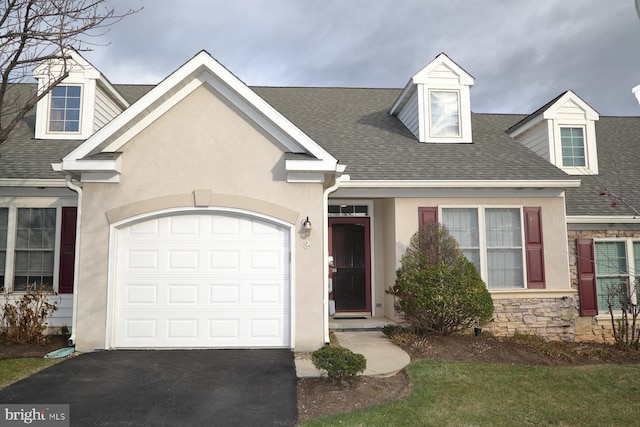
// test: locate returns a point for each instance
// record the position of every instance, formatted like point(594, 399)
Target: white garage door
point(202, 280)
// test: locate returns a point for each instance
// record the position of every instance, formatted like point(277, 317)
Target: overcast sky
point(522, 53)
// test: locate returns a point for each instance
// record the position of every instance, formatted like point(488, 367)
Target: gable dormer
point(79, 105)
point(435, 105)
point(563, 132)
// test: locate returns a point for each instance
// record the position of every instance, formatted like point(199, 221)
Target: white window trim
point(430, 116)
point(633, 272)
point(590, 150)
point(584, 146)
point(87, 111)
point(80, 119)
point(11, 239)
point(464, 113)
point(484, 273)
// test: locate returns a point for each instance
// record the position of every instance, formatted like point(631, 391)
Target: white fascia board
point(636, 92)
point(604, 219)
point(253, 99)
point(406, 94)
point(552, 111)
point(99, 166)
point(149, 115)
point(104, 82)
point(250, 110)
point(525, 127)
point(137, 108)
point(47, 183)
point(423, 76)
point(436, 193)
point(312, 165)
point(462, 184)
point(196, 68)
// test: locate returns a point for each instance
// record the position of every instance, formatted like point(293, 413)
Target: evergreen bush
point(339, 362)
point(437, 287)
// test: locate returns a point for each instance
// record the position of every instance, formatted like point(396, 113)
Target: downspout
point(325, 249)
point(74, 310)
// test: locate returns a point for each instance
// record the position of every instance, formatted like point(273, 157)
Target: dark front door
point(351, 271)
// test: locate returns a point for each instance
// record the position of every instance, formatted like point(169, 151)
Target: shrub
point(339, 362)
point(24, 318)
point(437, 287)
point(626, 327)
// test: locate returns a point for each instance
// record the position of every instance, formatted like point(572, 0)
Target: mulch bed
point(17, 351)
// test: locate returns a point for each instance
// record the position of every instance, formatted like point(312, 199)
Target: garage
point(207, 279)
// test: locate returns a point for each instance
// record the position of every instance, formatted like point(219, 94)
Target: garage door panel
point(224, 260)
point(228, 330)
point(184, 226)
point(145, 294)
point(202, 281)
point(142, 259)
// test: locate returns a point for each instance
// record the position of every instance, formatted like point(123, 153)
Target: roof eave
point(603, 219)
point(511, 184)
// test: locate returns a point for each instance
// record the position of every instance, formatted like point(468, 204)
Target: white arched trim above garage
point(201, 278)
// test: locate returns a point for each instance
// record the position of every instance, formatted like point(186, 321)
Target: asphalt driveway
point(170, 387)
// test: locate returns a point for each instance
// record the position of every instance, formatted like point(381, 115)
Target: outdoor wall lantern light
point(306, 226)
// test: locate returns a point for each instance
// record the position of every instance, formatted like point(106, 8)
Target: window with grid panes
point(35, 247)
point(616, 263)
point(64, 114)
point(491, 238)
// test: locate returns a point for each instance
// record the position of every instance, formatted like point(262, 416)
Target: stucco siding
point(202, 146)
point(553, 227)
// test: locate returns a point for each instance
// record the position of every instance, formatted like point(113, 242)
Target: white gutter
point(461, 184)
point(325, 254)
point(74, 309)
point(609, 219)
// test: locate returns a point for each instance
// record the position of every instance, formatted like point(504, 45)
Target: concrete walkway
point(384, 358)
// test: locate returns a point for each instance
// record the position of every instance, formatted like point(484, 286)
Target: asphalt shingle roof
point(618, 141)
point(24, 157)
point(355, 127)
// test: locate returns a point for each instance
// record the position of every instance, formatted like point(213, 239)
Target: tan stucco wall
point(396, 220)
point(201, 152)
point(553, 227)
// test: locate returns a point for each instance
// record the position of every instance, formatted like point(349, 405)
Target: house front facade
point(202, 213)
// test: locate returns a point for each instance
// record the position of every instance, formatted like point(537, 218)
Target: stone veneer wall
point(551, 318)
point(556, 319)
point(592, 328)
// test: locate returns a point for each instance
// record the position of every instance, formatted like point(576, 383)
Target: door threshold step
point(359, 324)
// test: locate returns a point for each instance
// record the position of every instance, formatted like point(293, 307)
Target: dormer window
point(572, 140)
point(563, 132)
point(436, 105)
point(77, 106)
point(444, 107)
point(64, 114)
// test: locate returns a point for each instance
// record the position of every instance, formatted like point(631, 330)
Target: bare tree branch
point(34, 32)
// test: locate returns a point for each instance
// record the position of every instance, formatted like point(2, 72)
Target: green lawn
point(448, 393)
point(12, 370)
